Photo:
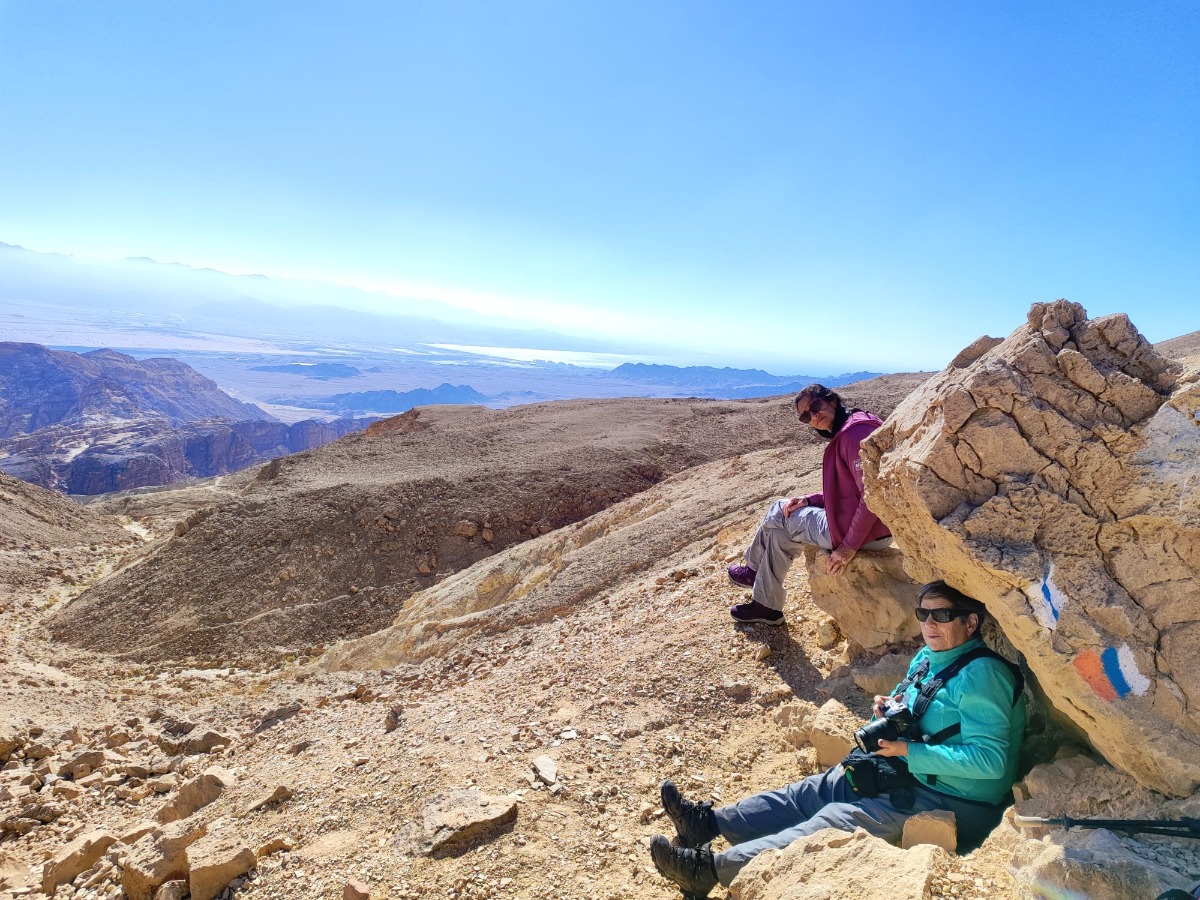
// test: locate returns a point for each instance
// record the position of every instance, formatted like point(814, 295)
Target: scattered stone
point(828, 634)
point(545, 769)
point(739, 691)
point(455, 821)
point(831, 732)
point(276, 844)
point(278, 795)
point(136, 831)
point(81, 764)
point(159, 857)
point(356, 890)
point(215, 860)
point(273, 718)
point(196, 793)
point(10, 740)
point(205, 742)
point(762, 653)
point(19, 825)
point(76, 857)
point(172, 890)
point(938, 827)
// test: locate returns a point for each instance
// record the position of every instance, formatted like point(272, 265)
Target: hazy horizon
point(794, 187)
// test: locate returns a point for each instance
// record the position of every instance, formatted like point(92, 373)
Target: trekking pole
point(1185, 827)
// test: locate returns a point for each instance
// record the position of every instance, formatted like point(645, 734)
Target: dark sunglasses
point(941, 616)
point(815, 406)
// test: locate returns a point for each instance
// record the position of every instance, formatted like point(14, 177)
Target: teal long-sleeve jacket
point(980, 762)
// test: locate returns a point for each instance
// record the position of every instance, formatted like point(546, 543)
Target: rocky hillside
point(98, 422)
point(331, 543)
point(41, 387)
point(513, 747)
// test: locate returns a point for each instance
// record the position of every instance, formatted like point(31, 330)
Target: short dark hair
point(818, 391)
point(955, 598)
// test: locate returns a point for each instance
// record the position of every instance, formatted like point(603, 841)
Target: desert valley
point(453, 654)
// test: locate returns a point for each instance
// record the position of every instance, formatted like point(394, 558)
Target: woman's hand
point(880, 701)
point(839, 559)
point(892, 748)
point(794, 504)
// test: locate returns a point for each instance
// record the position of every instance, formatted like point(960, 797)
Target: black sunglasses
point(814, 406)
point(941, 616)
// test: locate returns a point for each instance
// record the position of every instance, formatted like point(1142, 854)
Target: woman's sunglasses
point(941, 616)
point(814, 406)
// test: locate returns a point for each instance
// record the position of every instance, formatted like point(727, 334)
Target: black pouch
point(869, 776)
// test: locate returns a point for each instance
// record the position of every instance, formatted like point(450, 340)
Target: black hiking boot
point(694, 822)
point(692, 870)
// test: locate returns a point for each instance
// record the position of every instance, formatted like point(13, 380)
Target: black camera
point(897, 718)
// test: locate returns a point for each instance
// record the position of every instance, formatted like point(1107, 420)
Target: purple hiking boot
point(742, 576)
point(754, 612)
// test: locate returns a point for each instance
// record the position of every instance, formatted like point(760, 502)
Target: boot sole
point(773, 622)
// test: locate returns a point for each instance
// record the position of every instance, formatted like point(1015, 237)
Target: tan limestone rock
point(159, 857)
point(196, 793)
point(456, 820)
point(1096, 864)
point(172, 890)
point(215, 860)
point(137, 830)
point(267, 798)
point(81, 764)
point(882, 676)
point(10, 740)
point(275, 844)
point(1056, 478)
point(356, 890)
point(872, 601)
point(938, 827)
point(77, 856)
point(795, 721)
point(840, 865)
point(831, 732)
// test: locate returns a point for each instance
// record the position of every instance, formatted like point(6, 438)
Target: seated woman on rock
point(959, 753)
point(835, 519)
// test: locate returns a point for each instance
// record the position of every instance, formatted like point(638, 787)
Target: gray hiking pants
point(773, 819)
point(780, 540)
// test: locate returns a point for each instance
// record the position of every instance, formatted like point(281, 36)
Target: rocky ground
point(515, 754)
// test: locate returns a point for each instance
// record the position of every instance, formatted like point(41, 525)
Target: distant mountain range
point(726, 383)
point(641, 379)
point(390, 402)
point(320, 371)
point(103, 421)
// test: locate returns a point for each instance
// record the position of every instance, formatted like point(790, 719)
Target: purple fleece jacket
point(851, 524)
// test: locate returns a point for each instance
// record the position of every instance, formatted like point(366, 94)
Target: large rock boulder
point(840, 865)
point(1056, 477)
point(872, 601)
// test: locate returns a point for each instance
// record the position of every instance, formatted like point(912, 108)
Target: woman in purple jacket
point(835, 519)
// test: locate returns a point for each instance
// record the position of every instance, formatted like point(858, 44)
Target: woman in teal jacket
point(977, 719)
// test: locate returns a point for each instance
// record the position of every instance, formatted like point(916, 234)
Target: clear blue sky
point(816, 186)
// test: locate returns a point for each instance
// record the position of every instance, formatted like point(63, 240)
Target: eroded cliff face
point(1056, 477)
